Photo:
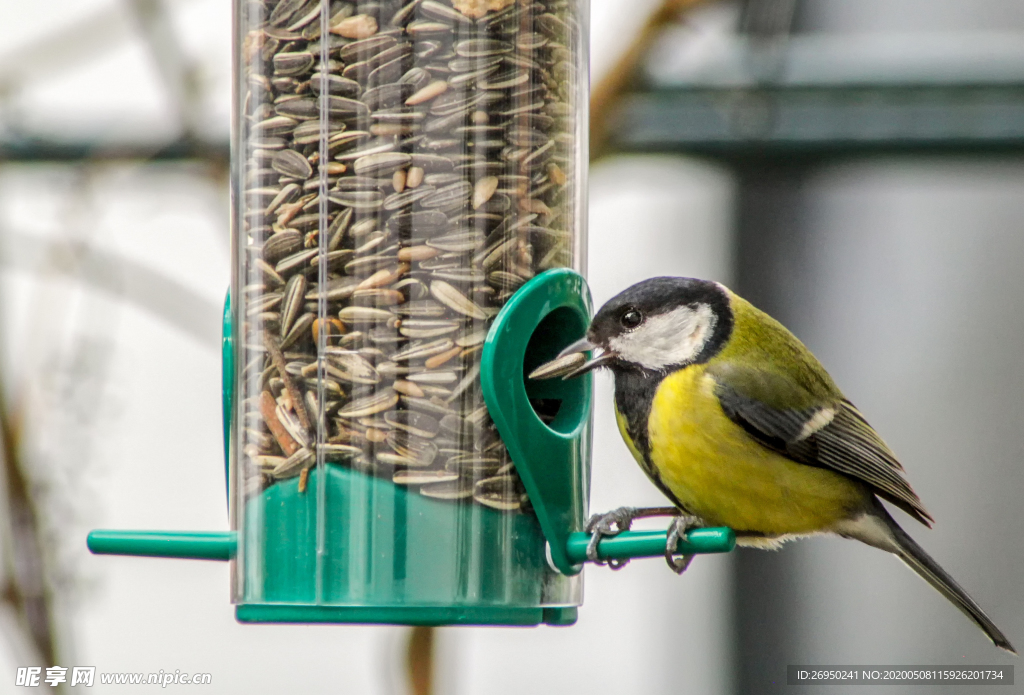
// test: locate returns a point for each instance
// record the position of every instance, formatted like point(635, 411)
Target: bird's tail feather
point(887, 535)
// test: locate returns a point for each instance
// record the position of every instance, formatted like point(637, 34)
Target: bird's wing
point(828, 433)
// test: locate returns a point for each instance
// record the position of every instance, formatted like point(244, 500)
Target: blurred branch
point(177, 71)
point(768, 24)
point(767, 18)
point(606, 94)
point(55, 50)
point(419, 660)
point(25, 588)
point(138, 284)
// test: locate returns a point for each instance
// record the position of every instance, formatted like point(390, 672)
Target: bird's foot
point(676, 532)
point(609, 524)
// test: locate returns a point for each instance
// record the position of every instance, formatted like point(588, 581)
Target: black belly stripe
point(634, 397)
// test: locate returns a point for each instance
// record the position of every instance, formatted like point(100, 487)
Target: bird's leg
point(615, 522)
point(677, 531)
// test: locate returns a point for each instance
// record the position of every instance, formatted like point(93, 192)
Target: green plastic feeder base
point(390, 615)
point(398, 556)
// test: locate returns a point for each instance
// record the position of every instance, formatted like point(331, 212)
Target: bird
point(740, 425)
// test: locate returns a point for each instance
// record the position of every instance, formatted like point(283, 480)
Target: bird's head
point(657, 325)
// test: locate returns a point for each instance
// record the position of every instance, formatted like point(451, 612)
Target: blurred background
point(854, 168)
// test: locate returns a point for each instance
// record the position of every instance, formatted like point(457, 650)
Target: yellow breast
point(720, 473)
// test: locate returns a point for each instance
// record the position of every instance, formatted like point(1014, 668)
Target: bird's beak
point(572, 361)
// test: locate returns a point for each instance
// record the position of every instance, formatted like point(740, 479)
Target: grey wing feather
point(832, 436)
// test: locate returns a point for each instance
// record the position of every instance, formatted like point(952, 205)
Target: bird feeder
point(408, 232)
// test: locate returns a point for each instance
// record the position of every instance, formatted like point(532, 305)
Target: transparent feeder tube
point(400, 169)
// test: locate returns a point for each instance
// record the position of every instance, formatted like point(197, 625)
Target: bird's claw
point(677, 531)
point(608, 524)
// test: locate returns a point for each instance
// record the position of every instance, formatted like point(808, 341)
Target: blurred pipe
point(606, 94)
point(769, 199)
point(20, 149)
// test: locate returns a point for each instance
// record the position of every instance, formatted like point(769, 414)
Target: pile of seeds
point(451, 179)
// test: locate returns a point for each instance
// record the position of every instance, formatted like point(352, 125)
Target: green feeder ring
point(546, 314)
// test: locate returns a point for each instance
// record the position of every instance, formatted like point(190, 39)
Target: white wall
point(909, 290)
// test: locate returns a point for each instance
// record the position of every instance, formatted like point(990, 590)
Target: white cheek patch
point(675, 337)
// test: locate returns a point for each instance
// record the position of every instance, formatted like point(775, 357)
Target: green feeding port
point(342, 545)
point(562, 405)
point(545, 425)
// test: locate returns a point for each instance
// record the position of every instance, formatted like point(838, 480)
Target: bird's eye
point(631, 318)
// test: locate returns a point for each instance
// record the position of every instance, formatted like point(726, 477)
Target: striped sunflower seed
point(455, 300)
point(378, 402)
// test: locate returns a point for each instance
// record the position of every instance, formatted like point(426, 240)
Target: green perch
point(222, 545)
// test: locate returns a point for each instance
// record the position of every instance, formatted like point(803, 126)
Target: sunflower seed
point(426, 328)
point(286, 266)
point(498, 493)
point(337, 289)
point(441, 358)
point(358, 26)
point(470, 461)
point(473, 48)
point(471, 339)
point(275, 125)
point(450, 490)
point(433, 378)
point(342, 107)
point(294, 295)
point(297, 108)
point(358, 50)
point(455, 300)
point(419, 222)
point(364, 314)
point(420, 308)
point(357, 200)
point(407, 388)
point(370, 405)
point(436, 10)
point(404, 14)
point(427, 405)
point(294, 464)
point(286, 64)
point(281, 245)
point(349, 366)
point(381, 164)
point(422, 350)
point(291, 425)
point(366, 147)
point(339, 452)
point(559, 367)
point(421, 477)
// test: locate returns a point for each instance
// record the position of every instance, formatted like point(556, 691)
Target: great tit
point(739, 425)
